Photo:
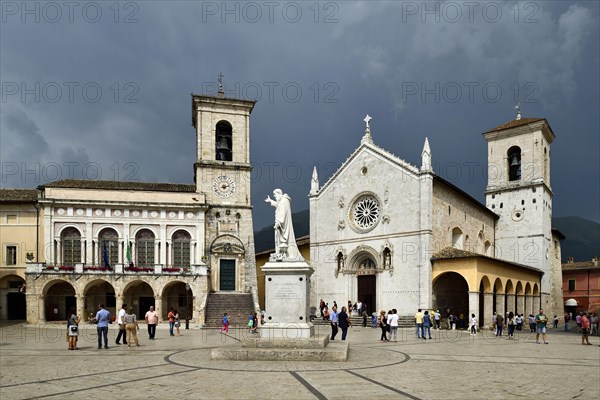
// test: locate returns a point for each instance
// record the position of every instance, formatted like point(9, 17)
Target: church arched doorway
point(59, 299)
point(366, 273)
point(451, 292)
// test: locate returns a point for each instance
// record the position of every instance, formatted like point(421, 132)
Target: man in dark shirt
point(344, 322)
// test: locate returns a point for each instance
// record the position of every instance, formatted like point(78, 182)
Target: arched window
point(144, 248)
point(514, 163)
point(223, 141)
point(181, 249)
point(71, 247)
point(109, 240)
point(457, 238)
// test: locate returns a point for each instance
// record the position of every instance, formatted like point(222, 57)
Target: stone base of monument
point(288, 334)
point(259, 349)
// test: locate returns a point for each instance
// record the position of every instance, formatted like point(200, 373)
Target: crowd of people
point(128, 324)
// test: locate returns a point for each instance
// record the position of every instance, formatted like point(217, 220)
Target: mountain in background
point(582, 242)
point(583, 238)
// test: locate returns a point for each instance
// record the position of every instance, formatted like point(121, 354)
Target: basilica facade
point(396, 235)
point(140, 243)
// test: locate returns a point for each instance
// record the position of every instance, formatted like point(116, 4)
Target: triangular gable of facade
point(377, 151)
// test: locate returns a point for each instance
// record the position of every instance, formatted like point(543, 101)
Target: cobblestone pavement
point(35, 363)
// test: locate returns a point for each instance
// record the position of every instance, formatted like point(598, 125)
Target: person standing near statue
point(285, 240)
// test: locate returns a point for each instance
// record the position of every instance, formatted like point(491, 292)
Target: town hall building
point(187, 246)
point(396, 235)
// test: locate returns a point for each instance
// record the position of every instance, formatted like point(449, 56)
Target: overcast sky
point(102, 89)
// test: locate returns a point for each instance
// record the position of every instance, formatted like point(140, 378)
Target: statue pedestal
point(286, 301)
point(288, 334)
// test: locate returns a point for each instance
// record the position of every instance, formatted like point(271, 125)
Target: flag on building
point(129, 259)
point(106, 263)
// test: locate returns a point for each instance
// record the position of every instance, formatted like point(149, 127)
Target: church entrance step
point(238, 305)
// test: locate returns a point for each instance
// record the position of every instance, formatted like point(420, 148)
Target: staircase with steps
point(405, 321)
point(238, 305)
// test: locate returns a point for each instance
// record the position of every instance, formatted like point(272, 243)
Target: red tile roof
point(120, 185)
point(18, 195)
point(515, 123)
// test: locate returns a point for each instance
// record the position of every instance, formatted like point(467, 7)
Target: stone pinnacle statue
point(285, 240)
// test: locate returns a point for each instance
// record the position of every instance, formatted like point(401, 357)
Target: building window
point(144, 245)
point(514, 163)
point(109, 239)
point(11, 255)
point(223, 141)
point(365, 212)
point(571, 285)
point(181, 249)
point(71, 245)
point(11, 219)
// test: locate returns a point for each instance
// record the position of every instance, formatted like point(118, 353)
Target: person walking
point(426, 324)
point(344, 322)
point(419, 323)
point(585, 329)
point(383, 325)
point(151, 318)
point(333, 320)
point(567, 318)
point(171, 318)
point(437, 317)
point(321, 307)
point(177, 323)
point(392, 321)
point(121, 323)
point(225, 327)
point(103, 318)
point(499, 324)
point(494, 324)
point(473, 325)
point(540, 323)
point(255, 324)
point(555, 322)
point(511, 325)
point(132, 327)
point(73, 329)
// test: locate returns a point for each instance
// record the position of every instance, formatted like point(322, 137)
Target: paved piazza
point(35, 363)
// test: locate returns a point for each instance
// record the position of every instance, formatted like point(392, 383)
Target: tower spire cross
point(367, 119)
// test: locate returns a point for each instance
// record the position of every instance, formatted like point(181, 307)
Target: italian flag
point(128, 254)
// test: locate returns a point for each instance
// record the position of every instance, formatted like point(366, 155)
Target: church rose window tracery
point(365, 212)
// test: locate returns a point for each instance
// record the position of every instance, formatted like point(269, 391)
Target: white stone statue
point(285, 240)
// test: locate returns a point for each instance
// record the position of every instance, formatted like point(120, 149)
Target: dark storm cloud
point(418, 73)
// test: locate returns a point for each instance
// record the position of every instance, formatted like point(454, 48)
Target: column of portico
point(473, 305)
point(529, 305)
point(510, 303)
point(158, 307)
point(500, 304)
point(80, 304)
point(41, 302)
point(89, 234)
point(536, 304)
point(199, 241)
point(520, 304)
point(488, 305)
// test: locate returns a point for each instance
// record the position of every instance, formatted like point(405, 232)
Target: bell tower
point(519, 192)
point(222, 173)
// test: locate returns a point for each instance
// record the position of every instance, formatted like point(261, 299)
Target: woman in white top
point(473, 324)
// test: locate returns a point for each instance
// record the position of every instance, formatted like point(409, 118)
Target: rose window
point(366, 212)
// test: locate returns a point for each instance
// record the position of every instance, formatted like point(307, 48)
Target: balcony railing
point(118, 269)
